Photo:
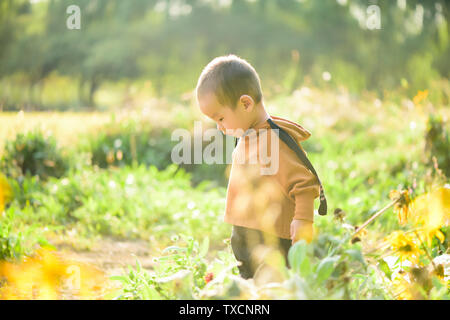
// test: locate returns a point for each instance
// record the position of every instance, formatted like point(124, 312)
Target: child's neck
point(261, 115)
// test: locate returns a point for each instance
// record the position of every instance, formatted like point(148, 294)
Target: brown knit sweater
point(269, 202)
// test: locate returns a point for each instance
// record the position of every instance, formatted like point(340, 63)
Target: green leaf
point(437, 284)
point(356, 255)
point(138, 266)
point(170, 257)
point(305, 267)
point(298, 258)
point(325, 268)
point(385, 268)
point(149, 293)
point(174, 248)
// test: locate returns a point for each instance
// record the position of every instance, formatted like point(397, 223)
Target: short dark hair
point(229, 77)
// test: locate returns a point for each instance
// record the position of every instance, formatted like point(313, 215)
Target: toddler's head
point(229, 92)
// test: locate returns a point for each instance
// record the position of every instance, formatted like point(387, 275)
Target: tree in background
point(168, 42)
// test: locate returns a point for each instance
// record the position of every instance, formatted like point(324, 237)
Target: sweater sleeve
point(300, 184)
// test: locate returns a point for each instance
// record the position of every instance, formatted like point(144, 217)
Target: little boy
point(270, 211)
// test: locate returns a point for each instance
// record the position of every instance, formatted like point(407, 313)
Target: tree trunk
point(81, 96)
point(29, 105)
point(92, 89)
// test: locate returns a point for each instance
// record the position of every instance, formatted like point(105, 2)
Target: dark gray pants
point(244, 242)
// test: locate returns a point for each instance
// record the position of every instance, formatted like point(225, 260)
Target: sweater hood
point(295, 130)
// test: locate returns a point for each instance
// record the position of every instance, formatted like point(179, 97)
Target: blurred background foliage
point(158, 47)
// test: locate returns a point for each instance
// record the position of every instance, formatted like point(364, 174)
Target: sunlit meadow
point(385, 237)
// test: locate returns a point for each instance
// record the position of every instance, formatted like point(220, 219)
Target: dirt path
point(110, 255)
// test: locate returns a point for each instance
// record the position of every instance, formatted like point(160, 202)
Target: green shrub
point(183, 272)
point(10, 243)
point(179, 273)
point(128, 142)
point(16, 238)
point(137, 142)
point(33, 154)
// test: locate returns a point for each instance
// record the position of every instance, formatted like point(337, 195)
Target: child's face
point(226, 117)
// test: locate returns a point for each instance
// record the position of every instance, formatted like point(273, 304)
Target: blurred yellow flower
point(427, 235)
point(402, 288)
point(432, 212)
point(402, 214)
point(46, 275)
point(361, 233)
point(421, 95)
point(6, 193)
point(401, 207)
point(404, 245)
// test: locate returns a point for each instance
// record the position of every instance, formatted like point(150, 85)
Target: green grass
point(129, 202)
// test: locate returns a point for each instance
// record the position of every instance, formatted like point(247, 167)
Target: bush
point(182, 265)
point(18, 239)
point(33, 154)
point(137, 142)
point(10, 243)
point(123, 144)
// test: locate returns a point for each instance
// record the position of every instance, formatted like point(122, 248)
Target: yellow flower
point(357, 237)
point(421, 95)
point(402, 214)
point(414, 285)
point(427, 235)
point(432, 212)
point(46, 275)
point(404, 245)
point(6, 193)
point(401, 207)
point(402, 288)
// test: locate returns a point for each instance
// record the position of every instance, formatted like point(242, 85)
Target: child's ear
point(247, 102)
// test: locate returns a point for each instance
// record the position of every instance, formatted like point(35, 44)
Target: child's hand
point(301, 229)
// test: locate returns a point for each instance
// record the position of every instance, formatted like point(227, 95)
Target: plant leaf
point(298, 258)
point(325, 268)
point(356, 255)
point(385, 268)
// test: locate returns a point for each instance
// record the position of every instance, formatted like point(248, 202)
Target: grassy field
point(362, 148)
point(66, 126)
